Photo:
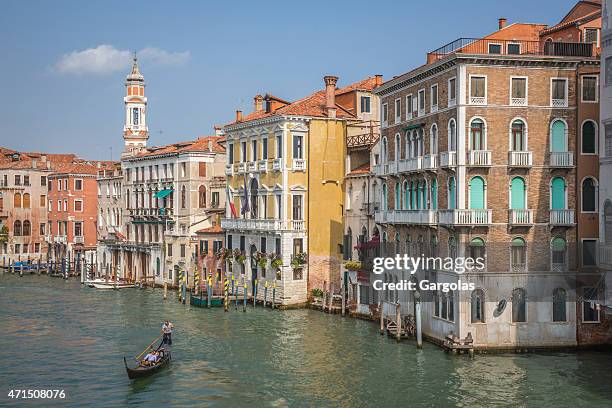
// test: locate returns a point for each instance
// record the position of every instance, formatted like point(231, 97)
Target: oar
point(148, 347)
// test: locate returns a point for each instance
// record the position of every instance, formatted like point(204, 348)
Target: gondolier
point(167, 331)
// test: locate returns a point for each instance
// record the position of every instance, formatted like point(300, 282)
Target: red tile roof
point(216, 229)
point(198, 145)
point(314, 104)
point(363, 169)
point(576, 21)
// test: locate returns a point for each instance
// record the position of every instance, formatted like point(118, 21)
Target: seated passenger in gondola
point(150, 358)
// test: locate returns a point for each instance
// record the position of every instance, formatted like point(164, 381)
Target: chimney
point(210, 146)
point(218, 130)
point(238, 116)
point(258, 102)
point(502, 22)
point(33, 163)
point(378, 80)
point(48, 165)
point(330, 95)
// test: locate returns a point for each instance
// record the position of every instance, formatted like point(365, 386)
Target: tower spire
point(135, 130)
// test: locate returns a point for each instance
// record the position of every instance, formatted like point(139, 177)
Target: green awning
point(163, 193)
point(415, 126)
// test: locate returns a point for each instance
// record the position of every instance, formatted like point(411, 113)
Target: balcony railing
point(241, 167)
point(479, 158)
point(277, 164)
point(559, 103)
point(410, 164)
point(252, 166)
point(491, 46)
point(60, 239)
point(430, 162)
point(561, 159)
point(520, 217)
point(229, 169)
point(79, 239)
point(520, 159)
point(465, 217)
point(262, 224)
point(448, 159)
point(262, 166)
point(518, 101)
point(424, 217)
point(299, 165)
point(562, 217)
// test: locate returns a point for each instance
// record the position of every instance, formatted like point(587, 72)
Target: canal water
point(58, 334)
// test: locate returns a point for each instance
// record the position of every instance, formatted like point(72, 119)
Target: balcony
point(406, 165)
point(299, 165)
point(448, 159)
point(252, 167)
point(561, 159)
point(142, 213)
point(422, 217)
point(277, 164)
point(562, 217)
point(519, 159)
point(430, 162)
point(490, 46)
point(465, 217)
point(262, 166)
point(262, 225)
point(241, 168)
point(479, 158)
point(229, 169)
point(60, 239)
point(478, 100)
point(559, 103)
point(79, 239)
point(520, 217)
point(518, 101)
point(48, 238)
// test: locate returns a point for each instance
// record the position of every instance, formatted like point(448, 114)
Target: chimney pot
point(238, 116)
point(330, 95)
point(502, 22)
point(33, 163)
point(210, 146)
point(258, 102)
point(378, 79)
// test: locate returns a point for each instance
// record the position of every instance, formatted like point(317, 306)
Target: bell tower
point(135, 130)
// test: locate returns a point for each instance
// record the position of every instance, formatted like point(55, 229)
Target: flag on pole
point(230, 199)
point(245, 199)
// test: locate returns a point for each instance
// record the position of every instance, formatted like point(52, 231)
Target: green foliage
point(298, 260)
point(316, 293)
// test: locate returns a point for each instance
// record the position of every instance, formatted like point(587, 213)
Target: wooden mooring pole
point(398, 322)
point(382, 317)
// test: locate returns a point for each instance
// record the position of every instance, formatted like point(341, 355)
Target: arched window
point(477, 193)
point(398, 197)
point(408, 245)
point(517, 194)
point(419, 196)
point(17, 200)
point(26, 229)
point(384, 151)
point(17, 228)
point(477, 135)
point(518, 255)
point(421, 137)
point(433, 139)
point(397, 147)
point(413, 144)
point(254, 201)
point(477, 306)
point(608, 222)
point(559, 305)
point(127, 199)
point(202, 196)
point(414, 194)
point(558, 249)
point(589, 195)
point(183, 197)
point(589, 138)
point(478, 249)
point(433, 250)
point(26, 200)
point(452, 247)
point(383, 199)
point(451, 193)
point(558, 137)
point(557, 194)
point(518, 136)
point(519, 305)
point(434, 194)
point(157, 267)
point(452, 135)
point(406, 203)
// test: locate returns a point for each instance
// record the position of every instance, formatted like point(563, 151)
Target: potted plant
point(275, 260)
point(262, 259)
point(353, 265)
point(239, 256)
point(223, 254)
point(298, 260)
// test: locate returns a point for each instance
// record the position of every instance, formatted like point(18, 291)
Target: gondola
point(145, 371)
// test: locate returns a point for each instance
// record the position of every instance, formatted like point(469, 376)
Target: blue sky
point(203, 60)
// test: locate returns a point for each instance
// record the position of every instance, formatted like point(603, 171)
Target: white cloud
point(105, 59)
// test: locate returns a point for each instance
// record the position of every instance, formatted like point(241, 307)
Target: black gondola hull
point(140, 372)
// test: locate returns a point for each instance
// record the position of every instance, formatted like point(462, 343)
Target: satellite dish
point(501, 306)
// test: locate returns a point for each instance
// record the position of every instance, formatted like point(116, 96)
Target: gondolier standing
point(167, 331)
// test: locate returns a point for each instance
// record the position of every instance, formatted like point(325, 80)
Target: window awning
point(415, 126)
point(163, 193)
